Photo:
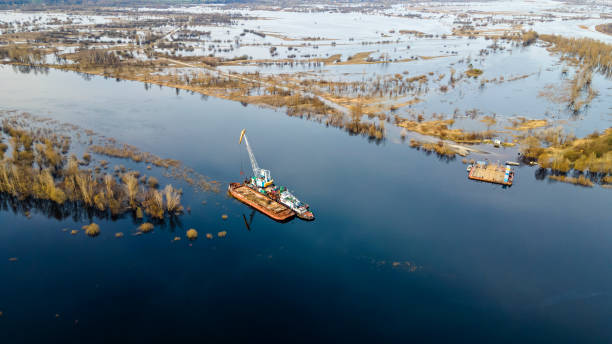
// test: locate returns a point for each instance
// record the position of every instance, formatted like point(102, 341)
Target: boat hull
point(307, 216)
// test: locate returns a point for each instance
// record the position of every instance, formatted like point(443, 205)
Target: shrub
point(131, 188)
point(91, 58)
point(474, 72)
point(154, 204)
point(529, 37)
point(152, 182)
point(192, 234)
point(145, 227)
point(560, 164)
point(531, 147)
point(173, 199)
point(92, 229)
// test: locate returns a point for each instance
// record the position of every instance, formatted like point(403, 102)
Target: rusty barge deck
point(495, 174)
point(260, 202)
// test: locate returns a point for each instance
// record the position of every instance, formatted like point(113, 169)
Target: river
point(404, 247)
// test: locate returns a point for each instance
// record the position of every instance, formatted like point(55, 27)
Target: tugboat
point(263, 184)
point(302, 210)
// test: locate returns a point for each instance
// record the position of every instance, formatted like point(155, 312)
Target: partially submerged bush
point(131, 188)
point(441, 148)
point(474, 72)
point(153, 182)
point(529, 37)
point(146, 227)
point(192, 234)
point(154, 204)
point(92, 229)
point(531, 148)
point(173, 199)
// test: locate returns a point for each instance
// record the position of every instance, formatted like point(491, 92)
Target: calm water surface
point(531, 263)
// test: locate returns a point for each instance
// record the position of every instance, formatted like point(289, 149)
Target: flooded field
point(369, 113)
point(383, 258)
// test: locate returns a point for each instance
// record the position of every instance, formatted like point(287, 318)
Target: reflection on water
point(74, 211)
point(67, 210)
point(248, 222)
point(27, 69)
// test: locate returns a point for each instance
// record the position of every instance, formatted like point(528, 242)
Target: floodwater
point(473, 261)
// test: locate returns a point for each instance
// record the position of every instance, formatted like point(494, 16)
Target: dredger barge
point(260, 202)
point(260, 193)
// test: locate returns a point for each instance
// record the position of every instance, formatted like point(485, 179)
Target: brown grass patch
point(474, 72)
point(488, 120)
point(523, 124)
point(441, 148)
point(441, 129)
point(359, 58)
point(604, 28)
